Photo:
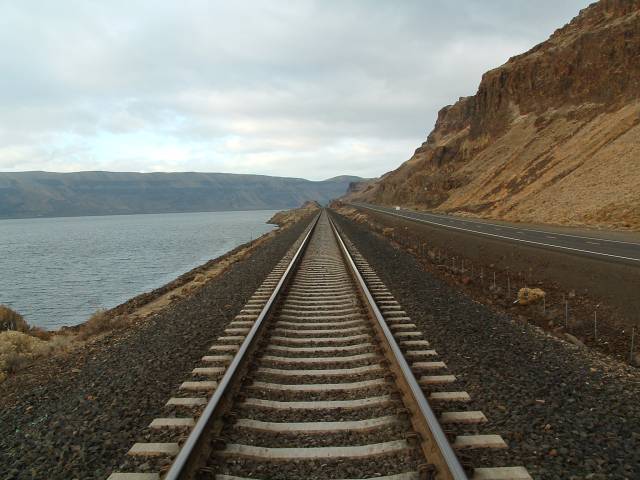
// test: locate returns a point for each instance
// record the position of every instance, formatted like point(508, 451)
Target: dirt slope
point(551, 136)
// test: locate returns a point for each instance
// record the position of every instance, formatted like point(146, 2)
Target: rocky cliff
point(551, 136)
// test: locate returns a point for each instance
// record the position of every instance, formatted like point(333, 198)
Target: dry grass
point(12, 320)
point(100, 322)
point(21, 345)
point(18, 350)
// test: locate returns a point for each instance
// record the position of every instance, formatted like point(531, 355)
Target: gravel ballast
point(352, 452)
point(76, 416)
point(565, 412)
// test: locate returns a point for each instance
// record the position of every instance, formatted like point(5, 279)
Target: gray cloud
point(302, 88)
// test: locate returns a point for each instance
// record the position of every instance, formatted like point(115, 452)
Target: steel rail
point(436, 444)
point(187, 459)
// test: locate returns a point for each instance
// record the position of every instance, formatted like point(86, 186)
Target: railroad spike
point(231, 418)
point(218, 443)
point(427, 471)
point(413, 438)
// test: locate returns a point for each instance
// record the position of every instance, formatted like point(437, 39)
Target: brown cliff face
point(551, 136)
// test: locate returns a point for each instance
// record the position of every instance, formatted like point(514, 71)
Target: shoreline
point(19, 350)
point(43, 217)
point(90, 404)
point(148, 303)
point(187, 284)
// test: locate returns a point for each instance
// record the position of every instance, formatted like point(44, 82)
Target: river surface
point(58, 271)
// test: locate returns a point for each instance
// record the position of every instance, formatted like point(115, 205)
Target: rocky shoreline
point(75, 415)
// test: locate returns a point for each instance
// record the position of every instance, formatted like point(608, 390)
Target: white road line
point(508, 238)
point(525, 229)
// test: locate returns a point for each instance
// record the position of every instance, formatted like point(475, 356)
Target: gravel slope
point(566, 413)
point(76, 417)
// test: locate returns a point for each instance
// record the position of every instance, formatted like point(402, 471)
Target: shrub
point(14, 362)
point(12, 320)
point(18, 350)
point(98, 322)
point(101, 321)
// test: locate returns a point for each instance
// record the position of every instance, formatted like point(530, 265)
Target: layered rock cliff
point(551, 136)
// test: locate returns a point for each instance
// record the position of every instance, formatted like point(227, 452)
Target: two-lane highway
point(603, 248)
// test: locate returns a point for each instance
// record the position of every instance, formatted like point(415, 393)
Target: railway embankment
point(588, 301)
point(72, 415)
point(566, 411)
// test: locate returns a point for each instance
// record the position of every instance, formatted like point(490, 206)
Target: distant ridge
point(45, 194)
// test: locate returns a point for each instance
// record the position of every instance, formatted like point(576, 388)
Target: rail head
point(435, 443)
point(196, 446)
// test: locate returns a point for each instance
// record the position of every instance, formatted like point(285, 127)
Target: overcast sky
point(292, 88)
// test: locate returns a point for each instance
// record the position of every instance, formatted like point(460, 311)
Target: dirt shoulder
point(595, 302)
point(565, 412)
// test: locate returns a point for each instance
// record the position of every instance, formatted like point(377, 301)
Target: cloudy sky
point(300, 88)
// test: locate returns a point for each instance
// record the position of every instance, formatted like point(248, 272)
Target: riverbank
point(28, 344)
point(75, 414)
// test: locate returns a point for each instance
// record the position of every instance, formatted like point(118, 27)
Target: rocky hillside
point(551, 136)
point(43, 194)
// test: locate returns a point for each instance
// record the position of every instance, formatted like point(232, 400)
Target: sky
point(299, 88)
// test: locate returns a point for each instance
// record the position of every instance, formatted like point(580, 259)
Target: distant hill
point(44, 194)
point(551, 136)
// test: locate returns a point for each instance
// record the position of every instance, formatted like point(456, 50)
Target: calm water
point(58, 271)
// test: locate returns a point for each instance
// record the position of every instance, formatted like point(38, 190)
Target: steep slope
point(42, 194)
point(551, 136)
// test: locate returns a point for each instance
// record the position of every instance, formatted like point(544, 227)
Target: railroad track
point(322, 375)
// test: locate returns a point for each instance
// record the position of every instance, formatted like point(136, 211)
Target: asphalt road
point(596, 246)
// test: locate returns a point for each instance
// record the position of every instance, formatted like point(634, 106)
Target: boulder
point(527, 296)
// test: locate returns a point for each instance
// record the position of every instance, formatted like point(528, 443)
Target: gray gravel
point(76, 416)
point(322, 245)
point(565, 413)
